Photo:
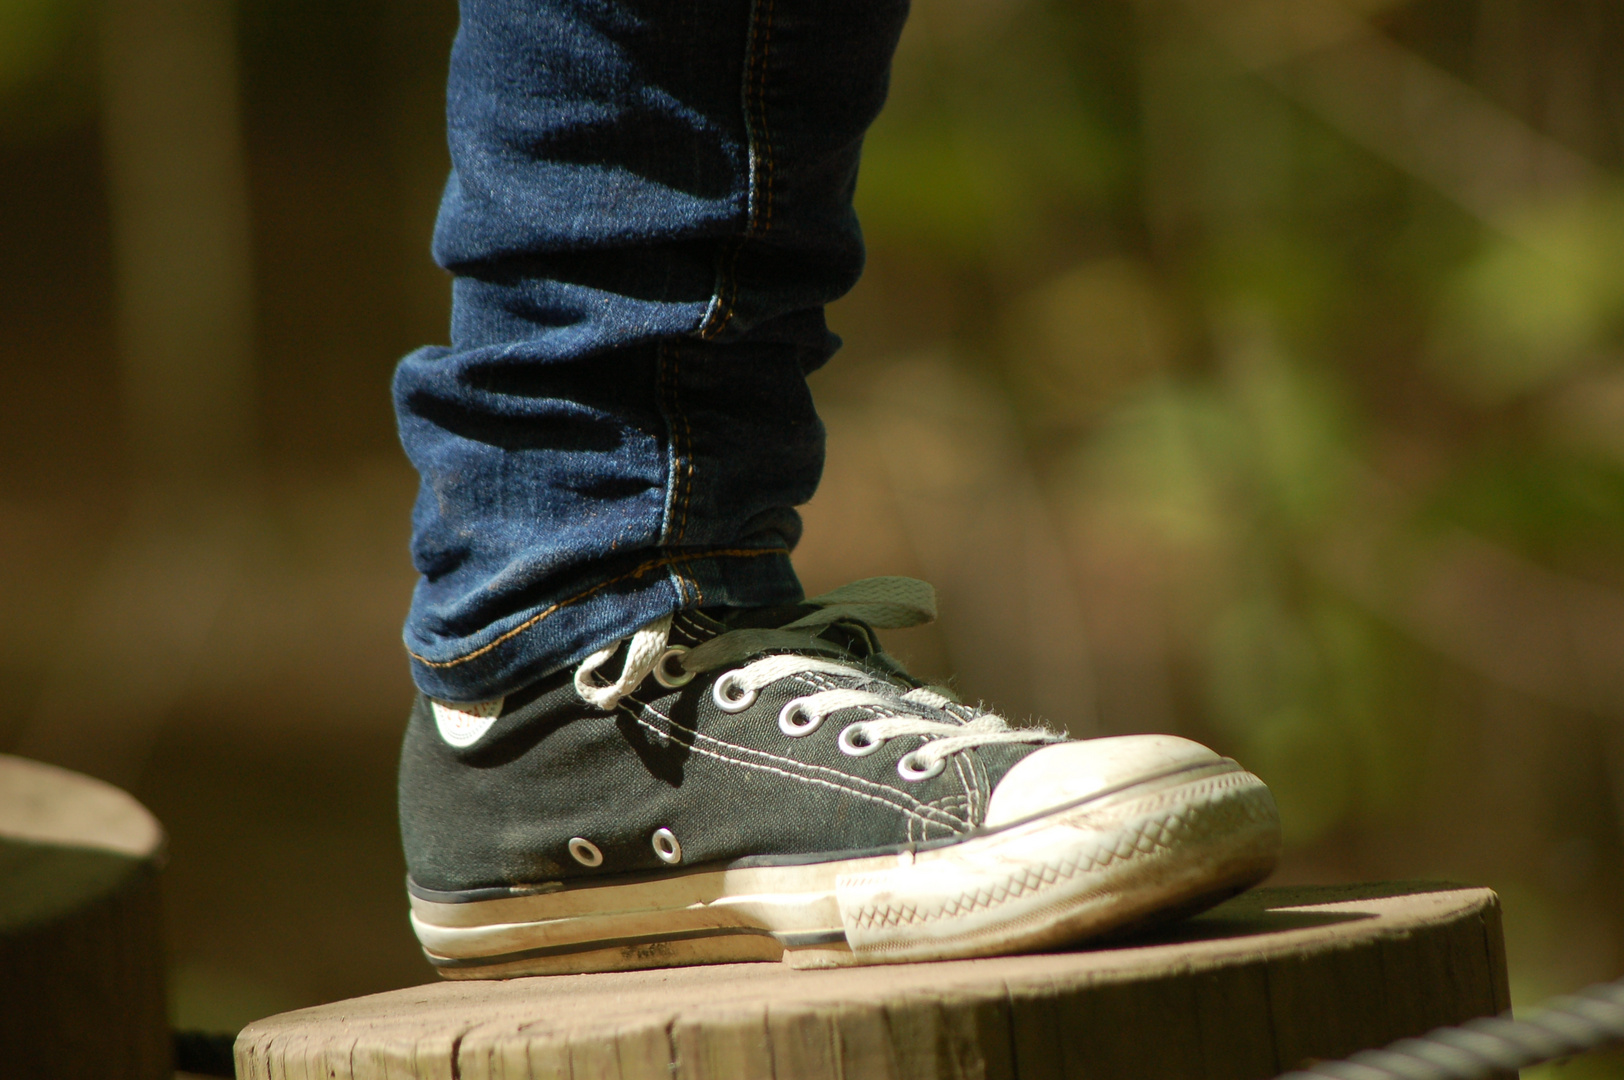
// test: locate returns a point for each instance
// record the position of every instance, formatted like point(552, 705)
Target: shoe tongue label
point(464, 723)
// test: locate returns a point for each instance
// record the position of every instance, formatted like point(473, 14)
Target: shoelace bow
point(885, 603)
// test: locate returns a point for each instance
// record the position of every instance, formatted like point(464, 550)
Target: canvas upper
point(544, 770)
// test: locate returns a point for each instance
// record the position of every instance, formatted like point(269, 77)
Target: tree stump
point(1258, 985)
point(80, 934)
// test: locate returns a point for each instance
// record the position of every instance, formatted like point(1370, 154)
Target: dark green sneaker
point(772, 785)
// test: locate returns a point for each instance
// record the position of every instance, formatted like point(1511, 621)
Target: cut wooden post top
point(80, 928)
point(43, 804)
point(1255, 986)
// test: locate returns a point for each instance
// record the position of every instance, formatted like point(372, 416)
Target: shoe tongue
point(693, 628)
point(758, 618)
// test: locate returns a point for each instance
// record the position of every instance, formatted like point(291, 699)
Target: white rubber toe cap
point(1068, 772)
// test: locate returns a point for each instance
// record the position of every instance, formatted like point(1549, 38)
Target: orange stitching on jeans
point(687, 584)
point(725, 295)
point(761, 118)
point(752, 70)
point(652, 564)
point(685, 460)
point(761, 36)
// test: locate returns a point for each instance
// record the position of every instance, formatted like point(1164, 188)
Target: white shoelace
point(643, 652)
point(880, 602)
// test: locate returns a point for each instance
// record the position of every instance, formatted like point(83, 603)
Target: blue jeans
point(650, 204)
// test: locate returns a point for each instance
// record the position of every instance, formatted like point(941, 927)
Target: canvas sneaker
point(770, 784)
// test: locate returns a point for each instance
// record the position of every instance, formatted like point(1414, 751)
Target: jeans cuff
point(559, 633)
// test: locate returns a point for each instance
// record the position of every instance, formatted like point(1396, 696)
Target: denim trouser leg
point(650, 204)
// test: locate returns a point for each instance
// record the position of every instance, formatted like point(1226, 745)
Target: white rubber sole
point(1171, 844)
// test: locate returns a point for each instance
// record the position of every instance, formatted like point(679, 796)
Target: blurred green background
point(1249, 370)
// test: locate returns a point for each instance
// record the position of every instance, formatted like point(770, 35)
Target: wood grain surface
point(80, 931)
point(1261, 984)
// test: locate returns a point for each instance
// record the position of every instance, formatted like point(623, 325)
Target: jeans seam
point(759, 148)
point(645, 568)
point(679, 471)
point(688, 584)
point(673, 481)
point(761, 183)
point(726, 292)
point(679, 432)
point(686, 449)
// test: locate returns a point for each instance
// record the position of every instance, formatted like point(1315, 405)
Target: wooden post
point(80, 935)
point(1259, 985)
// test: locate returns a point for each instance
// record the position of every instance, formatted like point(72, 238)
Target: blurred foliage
point(1524, 312)
point(1291, 366)
point(32, 34)
point(47, 66)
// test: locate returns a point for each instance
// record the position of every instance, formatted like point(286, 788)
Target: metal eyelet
point(671, 675)
point(585, 851)
point(911, 772)
point(787, 719)
point(848, 741)
point(722, 693)
point(666, 846)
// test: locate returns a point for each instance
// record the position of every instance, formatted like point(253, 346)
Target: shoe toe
point(1068, 772)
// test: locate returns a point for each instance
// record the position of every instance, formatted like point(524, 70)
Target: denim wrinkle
point(648, 208)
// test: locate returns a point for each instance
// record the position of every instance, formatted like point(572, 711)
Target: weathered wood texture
point(1259, 985)
point(80, 932)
